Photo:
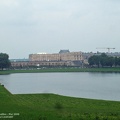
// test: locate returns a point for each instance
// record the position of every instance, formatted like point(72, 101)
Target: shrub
point(58, 105)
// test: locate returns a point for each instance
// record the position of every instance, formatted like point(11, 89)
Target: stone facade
point(69, 56)
point(44, 57)
point(22, 64)
point(63, 58)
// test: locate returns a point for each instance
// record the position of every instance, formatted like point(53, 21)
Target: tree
point(103, 55)
point(110, 61)
point(102, 60)
point(117, 61)
point(94, 60)
point(91, 61)
point(4, 61)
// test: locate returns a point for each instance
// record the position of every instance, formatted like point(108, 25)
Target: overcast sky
point(34, 26)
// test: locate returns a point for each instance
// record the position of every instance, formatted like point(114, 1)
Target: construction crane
point(106, 48)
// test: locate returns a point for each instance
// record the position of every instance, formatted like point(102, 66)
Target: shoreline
point(67, 96)
point(48, 70)
point(57, 107)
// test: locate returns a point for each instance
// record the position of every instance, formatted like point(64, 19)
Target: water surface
point(76, 84)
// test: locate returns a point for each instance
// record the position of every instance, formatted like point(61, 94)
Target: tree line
point(4, 61)
point(103, 60)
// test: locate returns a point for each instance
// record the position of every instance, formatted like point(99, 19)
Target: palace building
point(63, 58)
point(63, 55)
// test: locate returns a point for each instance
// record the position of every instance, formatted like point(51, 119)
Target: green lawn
point(55, 107)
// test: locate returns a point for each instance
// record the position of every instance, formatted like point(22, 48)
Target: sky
point(36, 26)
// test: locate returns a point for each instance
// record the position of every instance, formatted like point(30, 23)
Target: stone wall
point(71, 56)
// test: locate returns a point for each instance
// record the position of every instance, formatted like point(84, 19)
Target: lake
point(104, 86)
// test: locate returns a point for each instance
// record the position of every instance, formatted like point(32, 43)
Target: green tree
point(91, 61)
point(110, 61)
point(117, 61)
point(102, 60)
point(103, 55)
point(4, 61)
point(94, 60)
point(106, 60)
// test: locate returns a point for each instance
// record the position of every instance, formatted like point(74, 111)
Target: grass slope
point(56, 107)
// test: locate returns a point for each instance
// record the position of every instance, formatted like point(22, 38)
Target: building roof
point(64, 51)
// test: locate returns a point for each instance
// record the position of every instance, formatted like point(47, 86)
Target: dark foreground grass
point(67, 69)
point(55, 107)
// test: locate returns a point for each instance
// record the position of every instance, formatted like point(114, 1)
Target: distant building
point(63, 55)
point(18, 60)
point(27, 64)
point(63, 58)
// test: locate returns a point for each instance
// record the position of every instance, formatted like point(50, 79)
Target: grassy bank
point(62, 70)
point(55, 107)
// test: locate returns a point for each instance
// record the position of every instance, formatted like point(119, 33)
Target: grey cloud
point(50, 25)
